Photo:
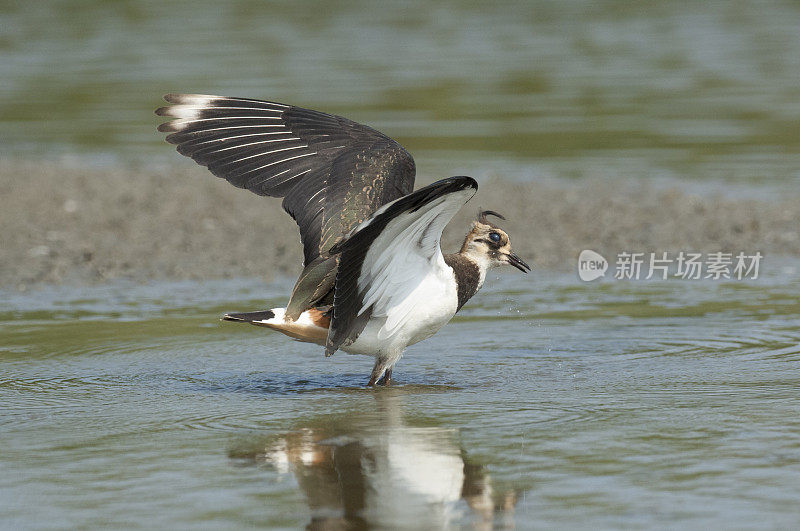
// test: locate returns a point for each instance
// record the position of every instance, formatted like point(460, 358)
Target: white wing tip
point(185, 107)
point(191, 99)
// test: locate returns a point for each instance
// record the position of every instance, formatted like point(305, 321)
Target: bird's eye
point(495, 237)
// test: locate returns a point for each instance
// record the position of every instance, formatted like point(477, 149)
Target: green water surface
point(524, 89)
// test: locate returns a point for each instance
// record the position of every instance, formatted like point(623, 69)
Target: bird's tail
point(249, 317)
point(311, 326)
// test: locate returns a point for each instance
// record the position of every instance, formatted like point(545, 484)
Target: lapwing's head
point(488, 245)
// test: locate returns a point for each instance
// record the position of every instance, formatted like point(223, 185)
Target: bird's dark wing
point(332, 172)
point(387, 259)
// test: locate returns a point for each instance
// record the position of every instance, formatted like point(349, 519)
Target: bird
point(374, 278)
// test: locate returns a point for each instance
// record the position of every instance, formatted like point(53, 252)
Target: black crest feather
point(483, 213)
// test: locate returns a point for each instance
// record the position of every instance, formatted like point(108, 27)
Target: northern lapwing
point(374, 279)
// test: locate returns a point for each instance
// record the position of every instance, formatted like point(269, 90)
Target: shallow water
point(547, 402)
point(697, 91)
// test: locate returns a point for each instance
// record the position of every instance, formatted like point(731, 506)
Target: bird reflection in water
point(372, 469)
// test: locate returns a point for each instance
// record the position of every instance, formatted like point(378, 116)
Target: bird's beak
point(515, 261)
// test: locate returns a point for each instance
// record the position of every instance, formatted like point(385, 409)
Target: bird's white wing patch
point(404, 265)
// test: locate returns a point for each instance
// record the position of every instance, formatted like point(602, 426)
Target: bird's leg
point(387, 377)
point(377, 371)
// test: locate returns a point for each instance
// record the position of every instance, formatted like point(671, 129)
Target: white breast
point(435, 303)
point(432, 304)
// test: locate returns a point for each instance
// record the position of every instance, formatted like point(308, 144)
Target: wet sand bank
point(64, 224)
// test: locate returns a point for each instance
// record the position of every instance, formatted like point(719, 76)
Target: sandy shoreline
point(87, 225)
